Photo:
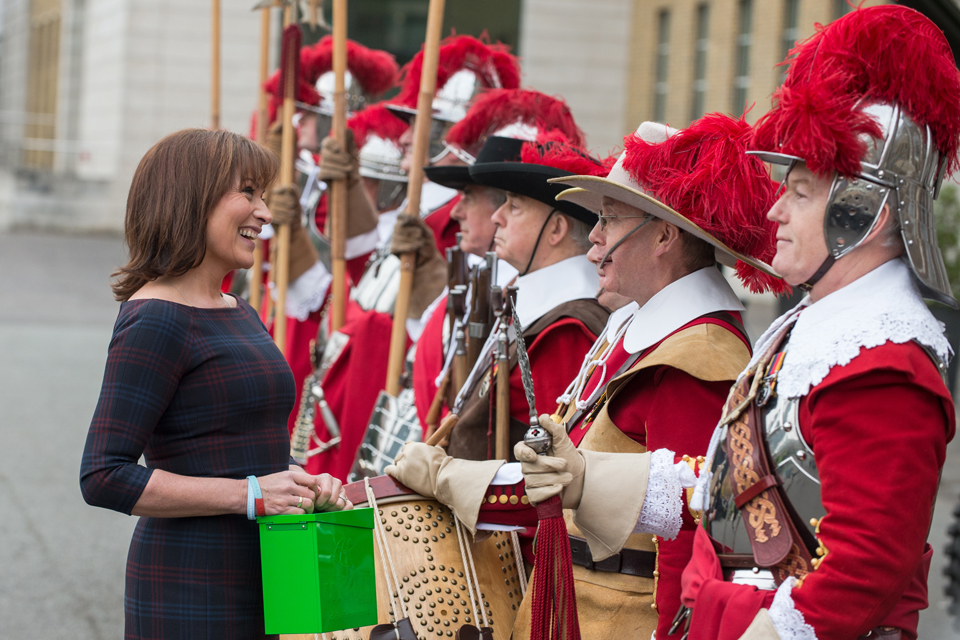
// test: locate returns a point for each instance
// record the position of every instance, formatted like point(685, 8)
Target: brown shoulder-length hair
point(177, 185)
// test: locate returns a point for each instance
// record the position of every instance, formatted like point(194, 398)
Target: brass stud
point(416, 508)
point(427, 549)
point(416, 540)
point(419, 518)
point(418, 606)
point(447, 590)
point(429, 507)
point(416, 528)
point(430, 558)
point(393, 513)
point(396, 534)
point(434, 538)
point(405, 538)
point(444, 578)
point(409, 516)
point(432, 567)
point(404, 509)
point(406, 526)
point(814, 522)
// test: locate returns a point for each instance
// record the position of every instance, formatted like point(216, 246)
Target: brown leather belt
point(629, 562)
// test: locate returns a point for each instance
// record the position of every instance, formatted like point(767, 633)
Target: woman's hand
point(288, 492)
point(330, 495)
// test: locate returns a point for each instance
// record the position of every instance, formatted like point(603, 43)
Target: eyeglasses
point(604, 219)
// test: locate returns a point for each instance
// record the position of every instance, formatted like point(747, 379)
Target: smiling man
point(807, 532)
point(656, 379)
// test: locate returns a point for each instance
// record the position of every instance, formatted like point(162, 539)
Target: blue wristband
point(255, 505)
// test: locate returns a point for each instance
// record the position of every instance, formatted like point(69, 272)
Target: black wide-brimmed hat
point(495, 149)
point(549, 157)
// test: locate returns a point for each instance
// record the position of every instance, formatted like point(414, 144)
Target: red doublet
point(351, 386)
point(444, 227)
point(878, 427)
point(428, 363)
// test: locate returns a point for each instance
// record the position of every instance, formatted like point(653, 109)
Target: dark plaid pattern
point(199, 392)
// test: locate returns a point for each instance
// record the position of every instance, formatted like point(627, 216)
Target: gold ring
point(300, 504)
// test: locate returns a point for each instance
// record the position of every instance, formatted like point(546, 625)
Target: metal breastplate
point(794, 464)
point(377, 289)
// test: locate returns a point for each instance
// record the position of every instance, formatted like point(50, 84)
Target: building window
point(700, 62)
point(42, 76)
point(741, 80)
point(841, 8)
point(661, 87)
point(791, 32)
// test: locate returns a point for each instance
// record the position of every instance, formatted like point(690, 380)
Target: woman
point(195, 384)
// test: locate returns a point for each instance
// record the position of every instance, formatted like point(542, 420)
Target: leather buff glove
point(459, 484)
point(340, 163)
point(284, 204)
point(412, 235)
point(559, 474)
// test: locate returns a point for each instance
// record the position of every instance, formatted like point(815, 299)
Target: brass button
point(524, 500)
point(503, 499)
point(492, 499)
point(514, 499)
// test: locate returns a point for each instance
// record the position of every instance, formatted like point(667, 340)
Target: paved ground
point(61, 562)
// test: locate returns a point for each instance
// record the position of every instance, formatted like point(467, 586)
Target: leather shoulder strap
point(587, 310)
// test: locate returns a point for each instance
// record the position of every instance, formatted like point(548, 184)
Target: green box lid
point(361, 518)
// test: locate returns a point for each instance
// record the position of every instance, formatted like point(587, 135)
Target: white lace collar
point(546, 288)
point(696, 294)
point(884, 305)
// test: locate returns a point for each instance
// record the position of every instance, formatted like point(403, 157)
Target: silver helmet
point(902, 169)
point(380, 160)
point(357, 99)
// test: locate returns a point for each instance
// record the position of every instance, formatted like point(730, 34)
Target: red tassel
point(554, 604)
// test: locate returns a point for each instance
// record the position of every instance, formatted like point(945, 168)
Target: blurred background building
point(86, 86)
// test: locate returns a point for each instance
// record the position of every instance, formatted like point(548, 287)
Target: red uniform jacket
point(878, 427)
point(661, 407)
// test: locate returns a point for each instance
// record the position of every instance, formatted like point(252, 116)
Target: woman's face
point(233, 227)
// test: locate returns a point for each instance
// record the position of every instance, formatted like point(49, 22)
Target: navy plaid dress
point(198, 392)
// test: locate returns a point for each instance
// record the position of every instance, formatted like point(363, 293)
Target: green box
point(318, 571)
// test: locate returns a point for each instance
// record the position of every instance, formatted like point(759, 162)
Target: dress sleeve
point(149, 352)
point(877, 438)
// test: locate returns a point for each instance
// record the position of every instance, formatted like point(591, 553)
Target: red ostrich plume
point(305, 93)
point(492, 63)
point(376, 120)
point(555, 149)
point(375, 70)
point(498, 108)
point(704, 173)
point(886, 53)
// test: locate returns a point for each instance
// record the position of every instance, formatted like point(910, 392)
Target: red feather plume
point(555, 149)
point(376, 120)
point(704, 173)
point(375, 70)
point(494, 64)
point(886, 53)
point(497, 108)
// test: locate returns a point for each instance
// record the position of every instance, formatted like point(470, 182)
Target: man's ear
point(559, 228)
point(884, 219)
point(668, 237)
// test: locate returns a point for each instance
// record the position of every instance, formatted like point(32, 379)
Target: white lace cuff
point(789, 622)
point(307, 293)
point(663, 505)
point(358, 245)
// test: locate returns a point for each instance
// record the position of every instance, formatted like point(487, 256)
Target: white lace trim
point(358, 245)
point(308, 292)
point(789, 622)
point(885, 305)
point(662, 509)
